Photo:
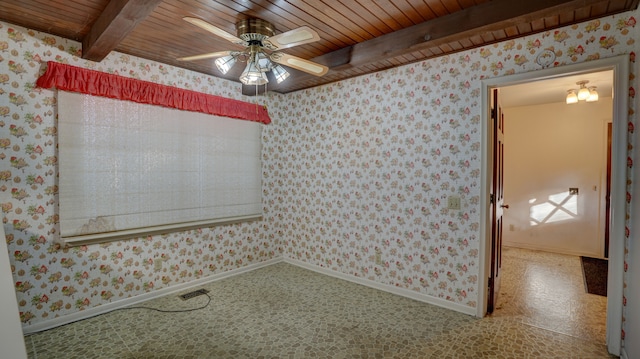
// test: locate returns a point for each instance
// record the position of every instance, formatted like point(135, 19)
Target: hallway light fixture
point(572, 97)
point(584, 93)
point(593, 94)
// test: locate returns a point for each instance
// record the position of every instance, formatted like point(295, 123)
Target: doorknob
point(504, 206)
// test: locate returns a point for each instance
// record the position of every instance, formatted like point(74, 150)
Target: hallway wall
point(548, 149)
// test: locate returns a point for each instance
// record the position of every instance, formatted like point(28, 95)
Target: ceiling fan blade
point(205, 56)
point(295, 37)
point(214, 30)
point(298, 63)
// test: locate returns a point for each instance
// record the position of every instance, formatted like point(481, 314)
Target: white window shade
point(129, 169)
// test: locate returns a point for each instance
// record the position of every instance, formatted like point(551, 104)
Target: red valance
point(77, 79)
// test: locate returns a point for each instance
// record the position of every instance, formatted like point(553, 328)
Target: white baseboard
point(559, 250)
point(386, 288)
point(105, 308)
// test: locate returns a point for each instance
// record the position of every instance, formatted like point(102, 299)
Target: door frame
point(620, 67)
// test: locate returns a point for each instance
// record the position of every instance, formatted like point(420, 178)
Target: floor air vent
point(193, 294)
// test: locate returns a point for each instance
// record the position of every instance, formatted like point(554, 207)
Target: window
point(128, 169)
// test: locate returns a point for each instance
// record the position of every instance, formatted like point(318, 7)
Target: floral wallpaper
point(51, 281)
point(356, 174)
point(364, 167)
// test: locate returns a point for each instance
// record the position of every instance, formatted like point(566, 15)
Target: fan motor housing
point(254, 29)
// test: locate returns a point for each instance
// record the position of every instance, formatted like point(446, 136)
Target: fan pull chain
point(257, 98)
point(265, 94)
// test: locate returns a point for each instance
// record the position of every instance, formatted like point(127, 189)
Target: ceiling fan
point(262, 50)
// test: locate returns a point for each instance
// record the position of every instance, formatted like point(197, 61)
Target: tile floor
point(283, 311)
point(547, 290)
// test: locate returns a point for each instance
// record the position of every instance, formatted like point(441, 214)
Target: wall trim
point(105, 308)
point(102, 309)
point(552, 249)
point(385, 287)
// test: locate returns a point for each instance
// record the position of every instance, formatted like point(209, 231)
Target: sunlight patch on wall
point(559, 207)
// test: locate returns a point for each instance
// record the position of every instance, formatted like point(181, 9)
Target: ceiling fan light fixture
point(572, 97)
point(253, 73)
point(263, 60)
point(256, 35)
point(279, 73)
point(225, 63)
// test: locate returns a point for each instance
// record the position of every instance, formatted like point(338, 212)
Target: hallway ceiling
point(554, 90)
point(357, 36)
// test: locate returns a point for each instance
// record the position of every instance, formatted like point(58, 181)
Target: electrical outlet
point(157, 264)
point(379, 259)
point(453, 202)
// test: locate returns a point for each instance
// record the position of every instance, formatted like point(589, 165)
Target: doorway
point(551, 148)
point(620, 67)
point(554, 148)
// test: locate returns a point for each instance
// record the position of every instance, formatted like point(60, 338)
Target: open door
point(496, 126)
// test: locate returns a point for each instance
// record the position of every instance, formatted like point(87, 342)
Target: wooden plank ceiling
point(357, 36)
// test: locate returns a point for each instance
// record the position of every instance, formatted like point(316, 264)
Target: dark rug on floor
point(595, 271)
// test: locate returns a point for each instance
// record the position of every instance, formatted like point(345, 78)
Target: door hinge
point(490, 282)
point(491, 198)
point(494, 113)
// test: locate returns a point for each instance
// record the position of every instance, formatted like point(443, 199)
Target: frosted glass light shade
point(583, 94)
point(593, 95)
point(571, 97)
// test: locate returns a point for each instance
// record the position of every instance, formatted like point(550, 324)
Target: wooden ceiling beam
point(484, 18)
point(117, 20)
